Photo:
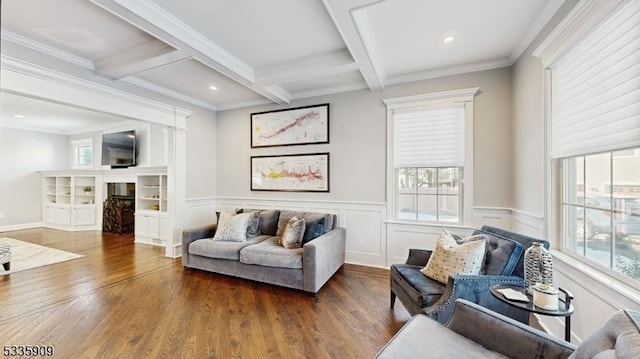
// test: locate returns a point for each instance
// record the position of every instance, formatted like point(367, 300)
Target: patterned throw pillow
point(449, 257)
point(293, 233)
point(232, 227)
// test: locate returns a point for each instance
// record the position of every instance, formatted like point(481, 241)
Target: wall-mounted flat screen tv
point(119, 149)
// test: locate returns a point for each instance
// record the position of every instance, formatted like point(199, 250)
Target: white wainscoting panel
point(492, 216)
point(528, 224)
point(364, 222)
point(200, 212)
point(404, 236)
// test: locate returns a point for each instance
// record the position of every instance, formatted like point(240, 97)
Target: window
point(82, 153)
point(429, 159)
point(595, 135)
point(600, 224)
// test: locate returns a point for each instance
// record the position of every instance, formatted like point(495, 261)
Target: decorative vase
point(538, 267)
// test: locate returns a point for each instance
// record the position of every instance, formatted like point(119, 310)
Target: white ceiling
point(258, 52)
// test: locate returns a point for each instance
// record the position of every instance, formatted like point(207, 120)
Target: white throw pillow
point(232, 227)
point(449, 257)
point(293, 233)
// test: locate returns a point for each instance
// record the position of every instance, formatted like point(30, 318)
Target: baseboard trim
point(20, 227)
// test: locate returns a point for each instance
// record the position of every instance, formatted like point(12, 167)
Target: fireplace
point(119, 207)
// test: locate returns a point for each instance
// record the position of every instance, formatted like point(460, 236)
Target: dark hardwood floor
point(129, 301)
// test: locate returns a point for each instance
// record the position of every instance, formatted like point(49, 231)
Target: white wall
point(358, 160)
point(22, 154)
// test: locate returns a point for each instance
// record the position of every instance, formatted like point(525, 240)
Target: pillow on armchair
point(465, 256)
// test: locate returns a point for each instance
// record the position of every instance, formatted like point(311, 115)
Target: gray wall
point(358, 141)
point(22, 154)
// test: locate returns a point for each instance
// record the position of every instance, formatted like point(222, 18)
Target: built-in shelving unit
point(151, 209)
point(69, 202)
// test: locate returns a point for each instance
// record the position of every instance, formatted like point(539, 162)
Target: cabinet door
point(142, 226)
point(62, 215)
point(154, 227)
point(83, 216)
point(147, 226)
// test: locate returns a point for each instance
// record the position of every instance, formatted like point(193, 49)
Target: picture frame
point(295, 126)
point(305, 172)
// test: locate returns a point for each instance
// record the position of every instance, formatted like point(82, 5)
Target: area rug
point(25, 255)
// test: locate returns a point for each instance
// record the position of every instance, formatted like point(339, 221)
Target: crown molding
point(244, 104)
point(46, 49)
point(538, 25)
point(448, 71)
point(328, 91)
point(582, 19)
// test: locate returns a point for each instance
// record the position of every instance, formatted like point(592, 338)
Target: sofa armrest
point(190, 235)
point(475, 288)
point(418, 257)
point(322, 257)
point(495, 332)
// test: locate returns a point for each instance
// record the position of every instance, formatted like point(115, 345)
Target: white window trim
point(577, 24)
point(77, 143)
point(465, 96)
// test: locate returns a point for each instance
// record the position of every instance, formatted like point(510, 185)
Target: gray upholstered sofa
point(262, 259)
point(477, 332)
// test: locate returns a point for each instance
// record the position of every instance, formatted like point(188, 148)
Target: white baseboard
point(20, 227)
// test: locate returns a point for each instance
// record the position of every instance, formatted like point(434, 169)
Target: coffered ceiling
point(221, 54)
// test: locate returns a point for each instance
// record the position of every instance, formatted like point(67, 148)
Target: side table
point(565, 308)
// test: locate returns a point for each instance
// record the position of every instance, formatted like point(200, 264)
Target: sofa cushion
point(219, 249)
point(524, 242)
point(232, 227)
point(310, 218)
point(450, 258)
point(421, 289)
point(502, 254)
point(270, 253)
point(293, 232)
point(268, 219)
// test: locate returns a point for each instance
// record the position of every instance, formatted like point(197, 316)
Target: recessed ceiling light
point(448, 39)
point(18, 116)
point(212, 88)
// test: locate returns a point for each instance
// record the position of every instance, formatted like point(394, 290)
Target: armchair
point(504, 264)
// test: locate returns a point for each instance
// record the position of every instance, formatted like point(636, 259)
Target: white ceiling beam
point(142, 58)
point(341, 12)
point(311, 67)
point(157, 22)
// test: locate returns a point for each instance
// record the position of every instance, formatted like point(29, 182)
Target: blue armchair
point(504, 264)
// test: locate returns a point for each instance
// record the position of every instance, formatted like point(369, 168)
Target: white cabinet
point(83, 215)
point(152, 226)
point(69, 202)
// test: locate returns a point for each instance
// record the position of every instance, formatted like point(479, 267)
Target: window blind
point(596, 89)
point(428, 137)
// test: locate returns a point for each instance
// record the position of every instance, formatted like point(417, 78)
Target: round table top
point(562, 310)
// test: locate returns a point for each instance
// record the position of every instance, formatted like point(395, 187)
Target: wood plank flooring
point(129, 301)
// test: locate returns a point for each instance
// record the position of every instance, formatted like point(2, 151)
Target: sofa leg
point(393, 299)
point(7, 266)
